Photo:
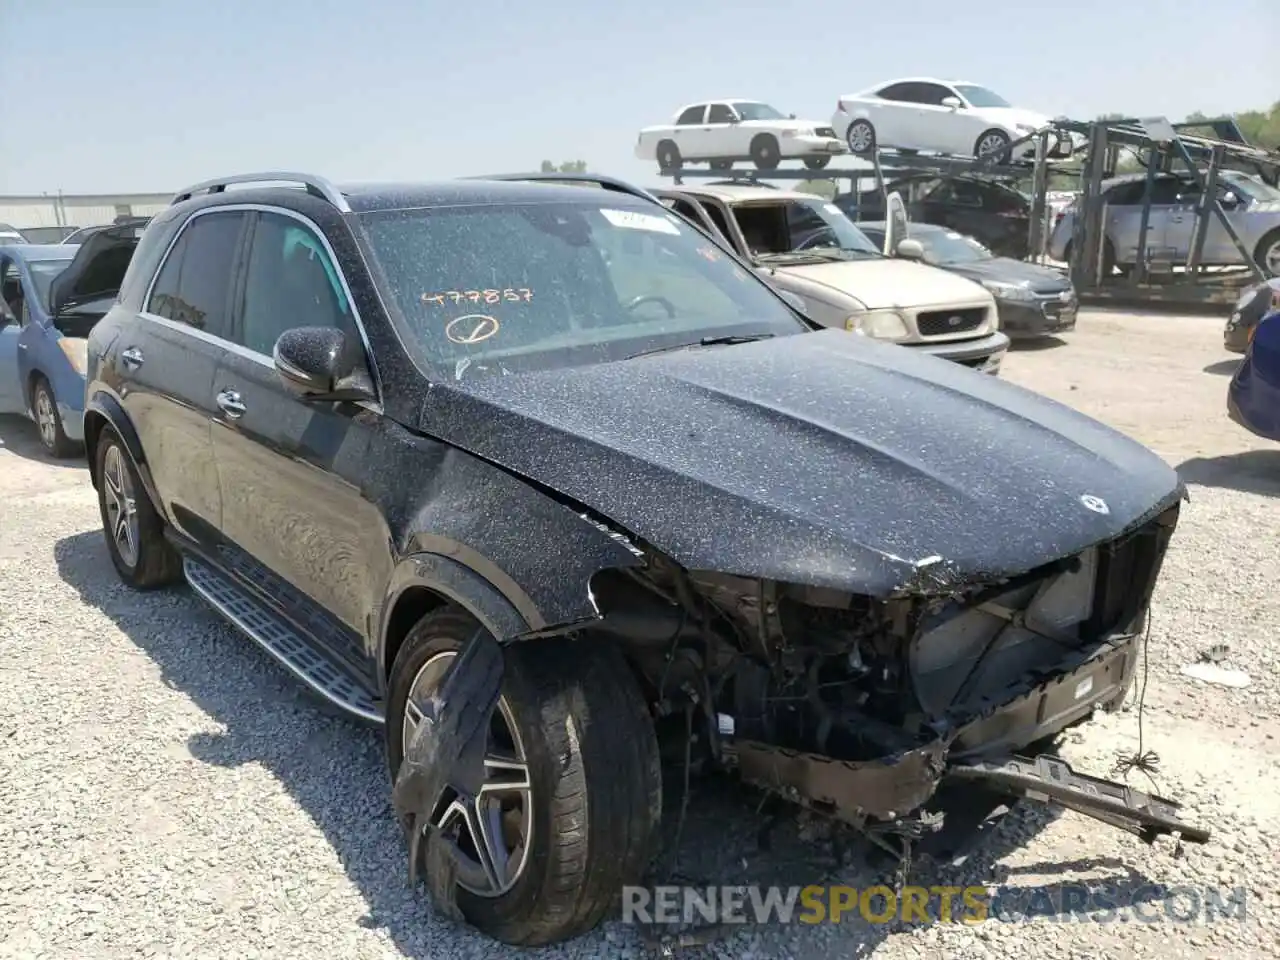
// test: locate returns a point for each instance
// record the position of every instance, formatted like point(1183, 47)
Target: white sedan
point(943, 116)
point(722, 131)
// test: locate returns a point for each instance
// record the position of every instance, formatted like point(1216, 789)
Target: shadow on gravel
point(335, 771)
point(1035, 344)
point(1225, 368)
point(18, 435)
point(1251, 471)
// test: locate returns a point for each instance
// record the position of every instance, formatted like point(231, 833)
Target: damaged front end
point(869, 710)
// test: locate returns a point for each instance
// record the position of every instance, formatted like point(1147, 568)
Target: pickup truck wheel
point(1267, 255)
point(48, 421)
point(861, 137)
point(816, 163)
point(669, 156)
point(764, 151)
point(134, 530)
point(574, 796)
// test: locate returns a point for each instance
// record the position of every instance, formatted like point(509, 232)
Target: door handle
point(229, 402)
point(132, 357)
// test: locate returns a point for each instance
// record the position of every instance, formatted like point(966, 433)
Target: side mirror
point(791, 116)
point(322, 363)
point(735, 119)
point(910, 250)
point(952, 102)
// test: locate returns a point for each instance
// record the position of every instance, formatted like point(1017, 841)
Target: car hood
point(823, 458)
point(887, 282)
point(1016, 115)
point(1008, 270)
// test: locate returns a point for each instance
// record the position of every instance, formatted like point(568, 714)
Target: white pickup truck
point(720, 132)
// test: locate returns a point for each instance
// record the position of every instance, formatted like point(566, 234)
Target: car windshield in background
point(757, 111)
point(43, 272)
point(980, 96)
point(947, 247)
point(798, 230)
point(494, 289)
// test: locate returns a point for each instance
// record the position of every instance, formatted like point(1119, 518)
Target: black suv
point(540, 477)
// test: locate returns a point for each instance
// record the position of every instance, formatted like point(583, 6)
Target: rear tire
point(992, 142)
point(764, 152)
point(142, 556)
point(595, 786)
point(861, 137)
point(44, 407)
point(669, 156)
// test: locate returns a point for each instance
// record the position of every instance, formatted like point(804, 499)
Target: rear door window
point(193, 286)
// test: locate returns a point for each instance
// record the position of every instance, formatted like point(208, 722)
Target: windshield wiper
point(723, 340)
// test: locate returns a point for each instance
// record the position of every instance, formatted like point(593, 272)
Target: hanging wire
point(1147, 761)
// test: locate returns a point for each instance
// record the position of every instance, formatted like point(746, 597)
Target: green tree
point(569, 166)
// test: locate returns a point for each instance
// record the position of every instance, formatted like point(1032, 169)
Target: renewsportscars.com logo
point(814, 904)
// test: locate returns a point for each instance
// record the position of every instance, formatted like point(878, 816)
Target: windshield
point(757, 111)
point(980, 96)
point(946, 246)
point(492, 289)
point(1254, 188)
point(43, 272)
point(801, 230)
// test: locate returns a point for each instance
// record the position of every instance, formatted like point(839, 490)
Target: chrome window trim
point(240, 349)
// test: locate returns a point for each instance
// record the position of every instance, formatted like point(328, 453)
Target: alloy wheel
point(46, 419)
point(1272, 258)
point(493, 834)
point(859, 138)
point(991, 143)
point(122, 508)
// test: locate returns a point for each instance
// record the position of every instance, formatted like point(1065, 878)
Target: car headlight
point(1008, 291)
point(76, 350)
point(880, 324)
point(1244, 299)
point(1025, 128)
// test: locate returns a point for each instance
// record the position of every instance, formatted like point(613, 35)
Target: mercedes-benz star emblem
point(472, 328)
point(1096, 504)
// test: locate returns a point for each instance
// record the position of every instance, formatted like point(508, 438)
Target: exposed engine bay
point(859, 706)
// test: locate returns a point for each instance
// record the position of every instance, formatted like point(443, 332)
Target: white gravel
point(166, 792)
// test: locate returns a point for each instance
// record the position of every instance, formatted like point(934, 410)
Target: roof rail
point(600, 180)
point(316, 186)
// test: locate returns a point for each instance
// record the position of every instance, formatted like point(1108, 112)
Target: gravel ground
point(166, 792)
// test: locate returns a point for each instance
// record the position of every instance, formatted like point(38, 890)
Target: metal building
point(78, 209)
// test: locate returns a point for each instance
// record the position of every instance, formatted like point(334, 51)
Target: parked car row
point(551, 482)
point(914, 114)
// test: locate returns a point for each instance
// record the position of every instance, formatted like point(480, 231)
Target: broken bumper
point(982, 750)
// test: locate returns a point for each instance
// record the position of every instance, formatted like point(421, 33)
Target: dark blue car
point(1253, 400)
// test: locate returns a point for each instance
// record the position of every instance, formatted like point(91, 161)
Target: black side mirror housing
point(322, 363)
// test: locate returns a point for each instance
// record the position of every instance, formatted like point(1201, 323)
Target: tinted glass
point(813, 227)
point(719, 113)
point(290, 282)
point(895, 91)
point(490, 289)
point(692, 115)
point(980, 96)
point(932, 93)
point(192, 286)
point(757, 111)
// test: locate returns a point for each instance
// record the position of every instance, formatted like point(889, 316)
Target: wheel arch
point(425, 582)
point(102, 411)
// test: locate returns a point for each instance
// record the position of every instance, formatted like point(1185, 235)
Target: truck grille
point(824, 131)
point(939, 323)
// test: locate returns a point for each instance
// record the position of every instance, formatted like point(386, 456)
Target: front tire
point(44, 408)
point(992, 142)
point(143, 558)
point(582, 818)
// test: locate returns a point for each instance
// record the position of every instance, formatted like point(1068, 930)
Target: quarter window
point(193, 285)
point(691, 115)
point(290, 282)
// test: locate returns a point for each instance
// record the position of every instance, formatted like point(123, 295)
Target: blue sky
point(150, 96)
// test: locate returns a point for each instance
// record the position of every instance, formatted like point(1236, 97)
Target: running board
point(1050, 779)
point(283, 641)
